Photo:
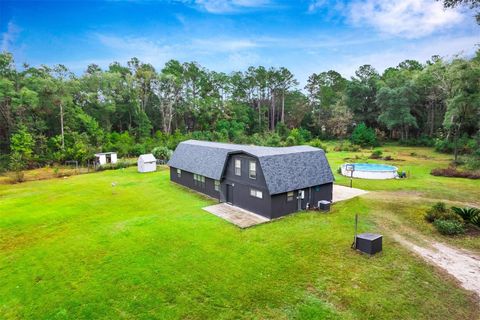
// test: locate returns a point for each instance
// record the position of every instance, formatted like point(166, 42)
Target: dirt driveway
point(461, 264)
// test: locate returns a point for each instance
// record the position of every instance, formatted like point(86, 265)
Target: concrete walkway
point(341, 193)
point(238, 216)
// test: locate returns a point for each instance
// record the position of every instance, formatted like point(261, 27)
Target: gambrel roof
point(285, 168)
point(146, 158)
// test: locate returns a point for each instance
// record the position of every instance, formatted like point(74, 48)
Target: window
point(179, 173)
point(217, 185)
point(256, 193)
point(252, 170)
point(290, 196)
point(199, 180)
point(238, 167)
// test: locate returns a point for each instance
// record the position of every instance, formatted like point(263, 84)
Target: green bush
point(423, 141)
point(346, 146)
point(472, 163)
point(364, 136)
point(440, 212)
point(317, 143)
point(376, 154)
point(291, 141)
point(162, 153)
point(449, 227)
point(465, 145)
point(114, 166)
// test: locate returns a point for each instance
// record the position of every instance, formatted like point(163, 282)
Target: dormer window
point(238, 167)
point(252, 170)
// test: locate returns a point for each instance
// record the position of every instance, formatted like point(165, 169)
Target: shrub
point(465, 145)
point(364, 136)
point(17, 164)
point(472, 163)
point(317, 143)
point(297, 137)
point(423, 141)
point(454, 172)
point(273, 140)
point(376, 154)
point(435, 211)
point(346, 146)
point(162, 153)
point(388, 158)
point(290, 141)
point(114, 166)
point(449, 227)
point(471, 215)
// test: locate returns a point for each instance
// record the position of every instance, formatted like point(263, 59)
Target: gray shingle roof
point(285, 169)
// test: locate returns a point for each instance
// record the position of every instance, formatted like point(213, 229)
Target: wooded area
point(49, 114)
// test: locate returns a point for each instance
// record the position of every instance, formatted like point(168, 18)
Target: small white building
point(105, 157)
point(147, 163)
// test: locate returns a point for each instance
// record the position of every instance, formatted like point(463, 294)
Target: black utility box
point(324, 205)
point(369, 243)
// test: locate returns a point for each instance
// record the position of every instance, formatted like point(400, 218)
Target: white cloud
point(146, 50)
point(446, 47)
point(405, 18)
point(222, 45)
point(241, 61)
point(230, 6)
point(9, 36)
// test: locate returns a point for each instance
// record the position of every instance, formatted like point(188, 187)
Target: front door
point(229, 193)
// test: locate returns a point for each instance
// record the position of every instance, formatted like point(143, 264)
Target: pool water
point(373, 167)
point(369, 171)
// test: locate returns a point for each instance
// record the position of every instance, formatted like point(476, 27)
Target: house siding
point(187, 180)
point(243, 183)
point(280, 206)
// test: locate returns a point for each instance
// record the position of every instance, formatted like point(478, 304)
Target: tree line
point(49, 114)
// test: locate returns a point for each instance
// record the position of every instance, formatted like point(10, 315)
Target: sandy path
point(462, 264)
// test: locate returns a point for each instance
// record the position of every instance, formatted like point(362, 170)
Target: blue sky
point(305, 36)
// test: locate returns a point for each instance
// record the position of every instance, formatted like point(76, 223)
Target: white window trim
point(256, 193)
point(290, 196)
point(254, 171)
point(239, 167)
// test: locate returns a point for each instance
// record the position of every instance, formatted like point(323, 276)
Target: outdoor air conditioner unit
point(324, 205)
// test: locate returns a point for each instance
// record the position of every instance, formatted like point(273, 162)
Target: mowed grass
point(79, 248)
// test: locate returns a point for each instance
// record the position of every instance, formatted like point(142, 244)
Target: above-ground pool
point(369, 170)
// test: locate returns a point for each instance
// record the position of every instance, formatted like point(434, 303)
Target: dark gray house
point(269, 181)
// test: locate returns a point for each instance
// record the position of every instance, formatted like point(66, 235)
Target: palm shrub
point(471, 215)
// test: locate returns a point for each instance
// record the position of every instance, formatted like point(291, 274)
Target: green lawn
point(74, 249)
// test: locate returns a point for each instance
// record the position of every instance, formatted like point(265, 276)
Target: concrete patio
point(341, 193)
point(238, 216)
